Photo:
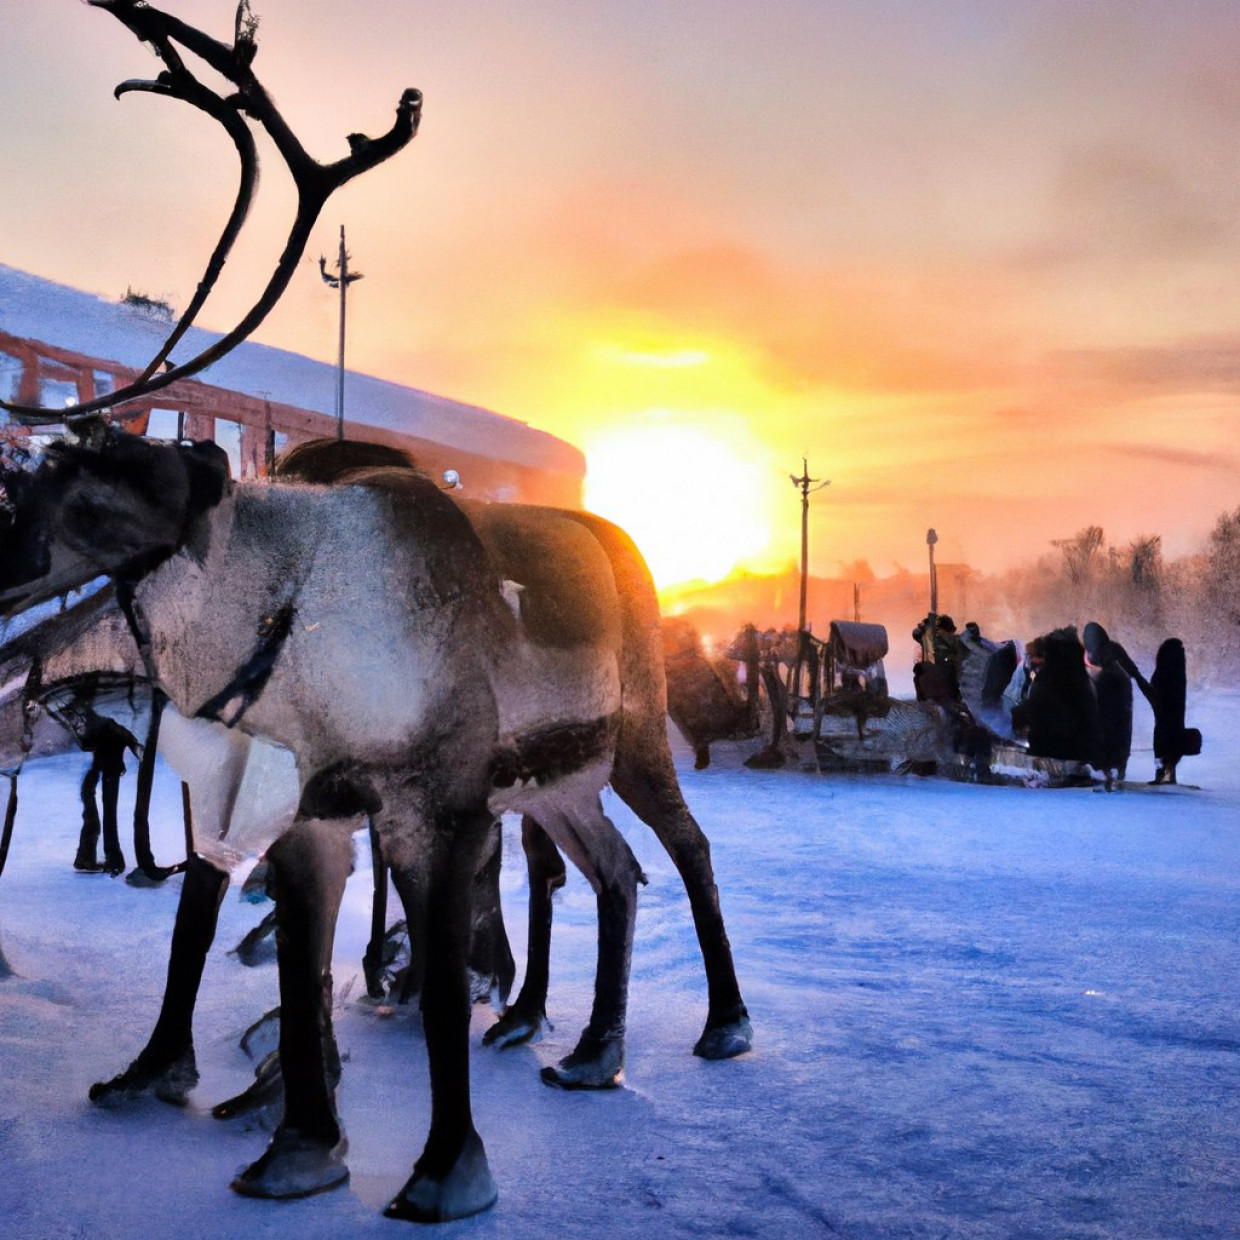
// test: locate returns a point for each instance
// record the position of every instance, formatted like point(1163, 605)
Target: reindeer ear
point(206, 467)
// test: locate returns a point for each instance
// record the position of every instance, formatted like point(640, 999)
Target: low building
point(60, 346)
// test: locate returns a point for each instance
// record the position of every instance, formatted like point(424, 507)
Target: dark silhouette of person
point(1016, 691)
point(936, 676)
point(1167, 693)
point(1100, 646)
point(1113, 688)
point(106, 741)
point(1112, 671)
point(1061, 711)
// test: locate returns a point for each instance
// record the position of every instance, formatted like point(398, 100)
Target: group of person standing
point(1112, 673)
point(1065, 695)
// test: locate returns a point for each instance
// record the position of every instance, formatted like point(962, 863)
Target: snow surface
point(979, 1012)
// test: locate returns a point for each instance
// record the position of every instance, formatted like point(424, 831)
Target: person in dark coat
point(1112, 671)
point(1113, 688)
point(1100, 648)
point(1020, 684)
point(1168, 692)
point(106, 741)
point(936, 676)
point(1061, 712)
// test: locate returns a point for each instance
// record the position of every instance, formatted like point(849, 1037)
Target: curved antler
point(315, 182)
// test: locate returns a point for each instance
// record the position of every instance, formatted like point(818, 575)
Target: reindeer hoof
point(515, 1028)
point(294, 1166)
point(265, 1091)
point(170, 1083)
point(467, 1188)
point(593, 1065)
point(725, 1041)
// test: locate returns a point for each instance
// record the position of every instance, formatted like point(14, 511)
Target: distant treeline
point(1137, 595)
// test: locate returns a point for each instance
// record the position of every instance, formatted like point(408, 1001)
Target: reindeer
point(366, 630)
point(447, 711)
point(232, 780)
point(330, 462)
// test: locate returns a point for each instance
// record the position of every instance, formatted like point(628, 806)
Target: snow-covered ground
point(979, 1012)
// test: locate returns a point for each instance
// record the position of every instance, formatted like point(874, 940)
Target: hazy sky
point(978, 259)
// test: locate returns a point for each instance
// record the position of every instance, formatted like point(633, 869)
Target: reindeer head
point(117, 506)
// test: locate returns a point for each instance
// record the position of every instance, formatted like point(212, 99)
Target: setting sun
point(695, 504)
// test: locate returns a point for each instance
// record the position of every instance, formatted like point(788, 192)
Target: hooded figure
point(1112, 672)
point(1113, 688)
point(1100, 647)
point(1168, 691)
point(1061, 711)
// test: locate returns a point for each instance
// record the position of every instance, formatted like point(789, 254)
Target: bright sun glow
point(695, 505)
point(665, 359)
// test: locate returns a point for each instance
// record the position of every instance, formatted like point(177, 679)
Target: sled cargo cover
point(857, 644)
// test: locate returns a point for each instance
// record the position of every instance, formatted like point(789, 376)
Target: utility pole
point(931, 539)
point(341, 280)
point(269, 436)
point(806, 485)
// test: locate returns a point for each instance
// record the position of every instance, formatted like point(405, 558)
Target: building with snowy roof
point(60, 346)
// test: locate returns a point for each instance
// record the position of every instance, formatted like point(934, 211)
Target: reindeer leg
point(309, 866)
point(490, 963)
point(525, 1019)
point(372, 960)
point(491, 966)
point(166, 1065)
point(451, 1179)
point(595, 846)
point(646, 780)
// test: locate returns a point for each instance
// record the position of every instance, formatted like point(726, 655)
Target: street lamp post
point(806, 485)
point(341, 280)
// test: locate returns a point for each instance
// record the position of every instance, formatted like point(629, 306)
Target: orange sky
point(978, 261)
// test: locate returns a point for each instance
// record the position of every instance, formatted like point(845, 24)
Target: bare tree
point(1144, 555)
point(1082, 553)
point(1220, 590)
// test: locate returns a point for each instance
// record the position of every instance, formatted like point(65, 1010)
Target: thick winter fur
point(369, 630)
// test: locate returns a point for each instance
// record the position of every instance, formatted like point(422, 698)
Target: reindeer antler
point(315, 182)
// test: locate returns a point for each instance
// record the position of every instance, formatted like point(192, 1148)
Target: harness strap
point(246, 687)
point(146, 764)
point(10, 817)
point(30, 705)
point(142, 798)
